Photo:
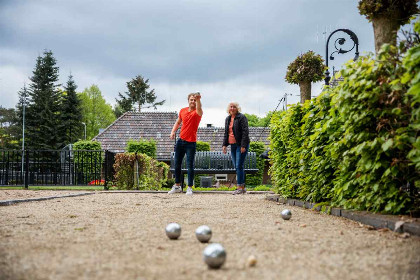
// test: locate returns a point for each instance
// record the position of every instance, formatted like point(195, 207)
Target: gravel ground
point(25, 194)
point(121, 236)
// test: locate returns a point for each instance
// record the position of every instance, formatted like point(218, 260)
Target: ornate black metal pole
point(340, 41)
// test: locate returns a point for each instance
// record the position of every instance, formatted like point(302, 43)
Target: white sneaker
point(189, 191)
point(175, 189)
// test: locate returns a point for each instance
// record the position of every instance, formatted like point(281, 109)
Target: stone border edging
point(15, 201)
point(367, 218)
point(198, 192)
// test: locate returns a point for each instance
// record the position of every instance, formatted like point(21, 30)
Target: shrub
point(142, 146)
point(355, 145)
point(151, 173)
point(88, 158)
point(256, 179)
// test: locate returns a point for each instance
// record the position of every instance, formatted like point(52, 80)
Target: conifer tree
point(138, 94)
point(43, 111)
point(71, 115)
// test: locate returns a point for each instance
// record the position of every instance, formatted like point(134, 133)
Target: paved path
point(121, 236)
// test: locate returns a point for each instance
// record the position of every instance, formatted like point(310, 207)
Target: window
point(221, 177)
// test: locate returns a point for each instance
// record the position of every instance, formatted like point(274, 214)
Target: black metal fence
point(56, 167)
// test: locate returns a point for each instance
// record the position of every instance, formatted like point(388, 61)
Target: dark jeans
point(238, 160)
point(184, 147)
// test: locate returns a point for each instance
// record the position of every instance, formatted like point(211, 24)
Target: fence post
point(27, 170)
point(106, 170)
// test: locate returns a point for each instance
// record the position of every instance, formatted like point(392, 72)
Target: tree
point(387, 16)
point(138, 94)
point(255, 121)
point(96, 113)
point(43, 111)
point(71, 115)
point(8, 129)
point(307, 68)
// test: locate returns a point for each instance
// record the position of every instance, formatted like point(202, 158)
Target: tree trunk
point(385, 30)
point(305, 91)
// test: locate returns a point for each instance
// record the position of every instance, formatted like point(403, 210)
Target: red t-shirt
point(190, 122)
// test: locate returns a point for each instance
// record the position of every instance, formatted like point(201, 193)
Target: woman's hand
point(224, 149)
point(243, 150)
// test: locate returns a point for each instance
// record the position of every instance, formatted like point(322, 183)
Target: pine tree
point(43, 111)
point(71, 115)
point(138, 94)
point(23, 100)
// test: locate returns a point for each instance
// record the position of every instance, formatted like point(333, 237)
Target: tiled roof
point(158, 126)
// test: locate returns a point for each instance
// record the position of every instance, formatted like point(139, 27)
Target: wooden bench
point(215, 163)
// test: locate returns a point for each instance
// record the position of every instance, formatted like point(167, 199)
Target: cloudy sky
point(230, 50)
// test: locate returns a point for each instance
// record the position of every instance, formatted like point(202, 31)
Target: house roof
point(158, 126)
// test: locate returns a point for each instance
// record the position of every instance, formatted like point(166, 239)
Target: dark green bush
point(356, 145)
point(142, 146)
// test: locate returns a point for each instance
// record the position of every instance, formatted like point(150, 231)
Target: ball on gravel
point(214, 255)
point(173, 230)
point(203, 233)
point(286, 214)
point(252, 261)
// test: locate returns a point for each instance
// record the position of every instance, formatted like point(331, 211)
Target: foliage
point(400, 10)
point(201, 147)
point(262, 188)
point(43, 110)
point(9, 134)
point(71, 116)
point(255, 121)
point(139, 94)
point(142, 146)
point(355, 145)
point(256, 179)
point(96, 113)
point(88, 157)
point(87, 145)
point(308, 67)
point(151, 173)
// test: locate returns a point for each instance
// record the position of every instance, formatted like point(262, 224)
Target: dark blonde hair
point(192, 93)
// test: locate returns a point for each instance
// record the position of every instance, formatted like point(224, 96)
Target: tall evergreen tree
point(23, 101)
point(43, 112)
point(138, 94)
point(71, 115)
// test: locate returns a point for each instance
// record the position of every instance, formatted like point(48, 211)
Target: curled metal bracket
point(340, 41)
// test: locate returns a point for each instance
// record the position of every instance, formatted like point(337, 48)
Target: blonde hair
point(236, 104)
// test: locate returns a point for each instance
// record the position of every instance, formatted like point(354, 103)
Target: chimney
point(209, 125)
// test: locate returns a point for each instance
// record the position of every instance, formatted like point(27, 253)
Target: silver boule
point(214, 255)
point(203, 233)
point(286, 214)
point(173, 230)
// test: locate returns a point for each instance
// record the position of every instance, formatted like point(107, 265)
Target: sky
point(229, 50)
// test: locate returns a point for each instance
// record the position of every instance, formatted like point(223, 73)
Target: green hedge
point(201, 147)
point(142, 146)
point(152, 173)
point(356, 145)
point(256, 179)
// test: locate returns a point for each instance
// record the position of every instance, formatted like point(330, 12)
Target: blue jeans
point(238, 160)
point(184, 147)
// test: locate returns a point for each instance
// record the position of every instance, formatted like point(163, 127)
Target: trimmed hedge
point(147, 147)
point(256, 179)
point(356, 145)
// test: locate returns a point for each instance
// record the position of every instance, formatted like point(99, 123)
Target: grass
point(55, 188)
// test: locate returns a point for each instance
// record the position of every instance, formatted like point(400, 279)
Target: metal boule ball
point(214, 255)
point(203, 233)
point(173, 230)
point(286, 214)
